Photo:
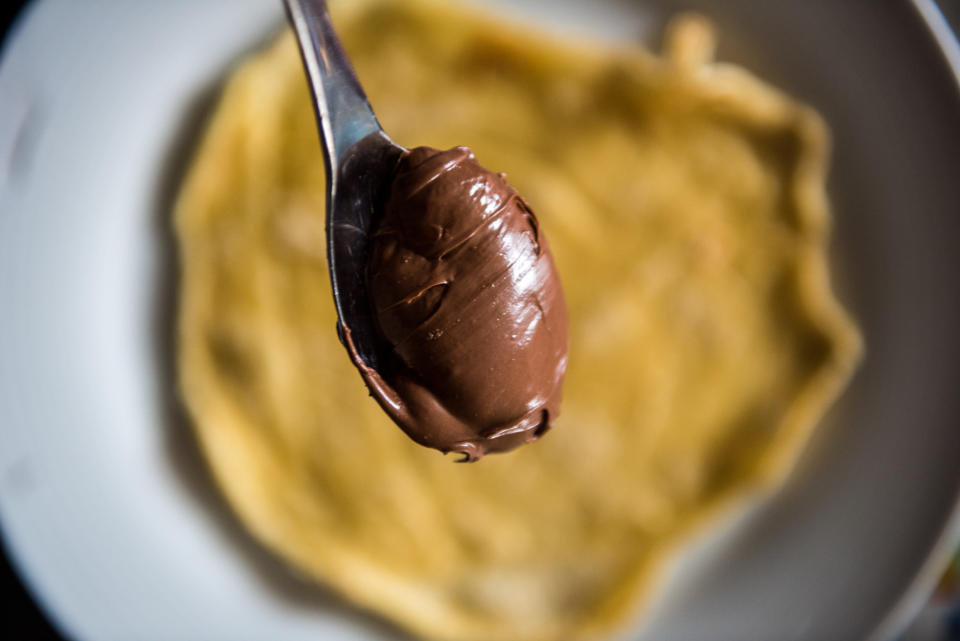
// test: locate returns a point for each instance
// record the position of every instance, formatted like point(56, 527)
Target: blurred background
point(23, 619)
point(938, 621)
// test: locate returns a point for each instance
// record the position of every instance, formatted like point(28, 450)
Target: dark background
point(22, 618)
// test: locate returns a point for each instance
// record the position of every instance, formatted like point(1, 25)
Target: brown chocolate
point(466, 295)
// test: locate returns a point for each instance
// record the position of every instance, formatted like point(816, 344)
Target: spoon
point(359, 159)
point(464, 340)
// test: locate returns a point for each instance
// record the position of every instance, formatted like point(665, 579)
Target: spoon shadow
point(182, 449)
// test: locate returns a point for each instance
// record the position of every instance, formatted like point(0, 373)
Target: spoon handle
point(341, 106)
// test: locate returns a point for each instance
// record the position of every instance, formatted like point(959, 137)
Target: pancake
point(685, 206)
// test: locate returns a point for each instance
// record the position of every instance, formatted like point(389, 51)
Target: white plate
point(104, 502)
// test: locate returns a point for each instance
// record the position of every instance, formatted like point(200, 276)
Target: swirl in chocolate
point(465, 293)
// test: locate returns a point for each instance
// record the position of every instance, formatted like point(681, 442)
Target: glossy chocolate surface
point(465, 294)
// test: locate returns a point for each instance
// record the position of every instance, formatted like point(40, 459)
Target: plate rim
point(917, 591)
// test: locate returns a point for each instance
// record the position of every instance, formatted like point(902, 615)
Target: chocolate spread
point(465, 294)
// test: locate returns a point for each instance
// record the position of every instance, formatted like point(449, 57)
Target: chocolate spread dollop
point(466, 296)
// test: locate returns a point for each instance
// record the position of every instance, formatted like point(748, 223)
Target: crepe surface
point(685, 208)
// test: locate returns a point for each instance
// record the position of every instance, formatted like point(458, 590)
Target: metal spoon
point(359, 158)
point(362, 163)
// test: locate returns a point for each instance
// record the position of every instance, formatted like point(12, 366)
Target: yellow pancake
point(685, 207)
